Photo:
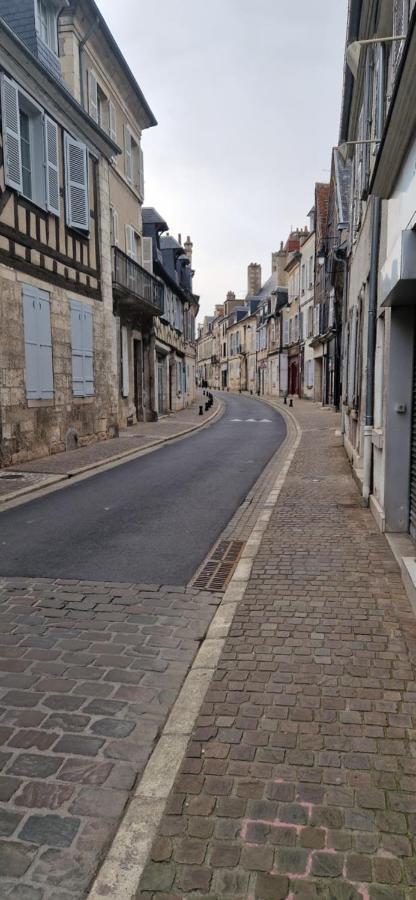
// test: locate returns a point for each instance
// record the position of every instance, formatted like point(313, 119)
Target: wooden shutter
point(131, 248)
point(124, 362)
point(112, 115)
point(82, 349)
point(11, 134)
point(76, 175)
point(52, 165)
point(147, 253)
point(92, 96)
point(88, 349)
point(38, 344)
point(128, 162)
point(114, 226)
point(141, 174)
point(77, 349)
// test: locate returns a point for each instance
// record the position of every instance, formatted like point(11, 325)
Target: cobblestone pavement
point(300, 778)
point(88, 674)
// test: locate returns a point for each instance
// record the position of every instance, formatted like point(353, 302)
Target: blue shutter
point(88, 351)
point(77, 349)
point(45, 347)
point(82, 349)
point(31, 342)
point(38, 344)
point(11, 134)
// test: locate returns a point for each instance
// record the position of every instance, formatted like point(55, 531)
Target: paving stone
point(8, 822)
point(271, 887)
point(117, 728)
point(35, 765)
point(99, 802)
point(40, 794)
point(15, 859)
point(56, 831)
point(77, 744)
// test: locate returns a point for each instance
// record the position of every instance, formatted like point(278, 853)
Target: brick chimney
point(253, 278)
point(279, 260)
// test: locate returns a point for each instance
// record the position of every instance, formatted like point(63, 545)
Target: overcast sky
point(247, 95)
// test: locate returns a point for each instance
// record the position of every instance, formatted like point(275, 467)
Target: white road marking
point(250, 420)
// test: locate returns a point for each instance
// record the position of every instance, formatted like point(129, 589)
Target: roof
point(170, 243)
point(119, 56)
point(321, 206)
point(150, 216)
point(268, 287)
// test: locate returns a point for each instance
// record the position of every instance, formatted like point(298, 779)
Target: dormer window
point(47, 27)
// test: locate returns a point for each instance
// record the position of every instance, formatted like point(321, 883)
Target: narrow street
point(151, 520)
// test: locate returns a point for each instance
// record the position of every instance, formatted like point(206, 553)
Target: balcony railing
point(136, 287)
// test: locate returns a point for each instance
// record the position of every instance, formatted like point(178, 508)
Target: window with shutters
point(114, 226)
point(30, 144)
point(132, 242)
point(99, 106)
point(82, 349)
point(76, 177)
point(147, 254)
point(38, 343)
point(133, 162)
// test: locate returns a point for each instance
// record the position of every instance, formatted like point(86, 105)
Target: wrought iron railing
point(130, 278)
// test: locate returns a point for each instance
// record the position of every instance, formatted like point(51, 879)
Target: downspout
point(339, 339)
point(372, 307)
point(344, 318)
point(81, 46)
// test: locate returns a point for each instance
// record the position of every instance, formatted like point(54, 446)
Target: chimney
point(180, 239)
point(253, 278)
point(188, 247)
point(230, 295)
point(279, 260)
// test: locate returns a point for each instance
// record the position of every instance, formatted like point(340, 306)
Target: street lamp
point(321, 257)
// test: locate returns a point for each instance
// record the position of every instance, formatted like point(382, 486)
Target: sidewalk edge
point(118, 457)
point(121, 871)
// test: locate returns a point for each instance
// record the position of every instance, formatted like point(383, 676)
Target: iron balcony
point(135, 289)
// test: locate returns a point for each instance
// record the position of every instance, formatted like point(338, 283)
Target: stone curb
point(118, 457)
point(120, 874)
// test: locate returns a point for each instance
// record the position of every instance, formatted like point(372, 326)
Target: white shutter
point(131, 242)
point(128, 162)
point(92, 96)
point(283, 378)
point(147, 253)
point(141, 174)
point(38, 344)
point(88, 348)
point(52, 165)
point(112, 115)
point(114, 226)
point(11, 134)
point(285, 331)
point(124, 362)
point(77, 349)
point(76, 175)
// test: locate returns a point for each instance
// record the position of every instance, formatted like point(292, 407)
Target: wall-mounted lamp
point(321, 257)
point(354, 50)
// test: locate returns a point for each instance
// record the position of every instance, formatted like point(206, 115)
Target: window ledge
point(83, 401)
point(33, 404)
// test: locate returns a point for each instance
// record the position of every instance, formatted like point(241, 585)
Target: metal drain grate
point(216, 573)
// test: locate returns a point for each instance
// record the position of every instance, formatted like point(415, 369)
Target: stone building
point(57, 367)
point(172, 346)
point(99, 78)
point(379, 373)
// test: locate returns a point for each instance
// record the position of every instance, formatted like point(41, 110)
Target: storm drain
point(11, 476)
point(217, 571)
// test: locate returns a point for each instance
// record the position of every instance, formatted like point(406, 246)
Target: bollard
point(285, 401)
point(201, 411)
point(206, 407)
point(291, 402)
point(203, 393)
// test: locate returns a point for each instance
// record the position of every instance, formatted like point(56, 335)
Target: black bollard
point(206, 407)
point(201, 410)
point(285, 401)
point(291, 402)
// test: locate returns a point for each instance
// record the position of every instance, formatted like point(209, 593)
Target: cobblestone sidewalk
point(300, 778)
point(88, 674)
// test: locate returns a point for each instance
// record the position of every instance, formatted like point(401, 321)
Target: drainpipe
point(372, 310)
point(339, 344)
point(81, 46)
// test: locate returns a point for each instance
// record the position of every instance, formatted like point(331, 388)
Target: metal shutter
point(412, 498)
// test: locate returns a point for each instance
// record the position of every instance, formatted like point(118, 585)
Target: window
point(303, 279)
point(38, 343)
point(30, 144)
point(311, 272)
point(47, 24)
point(285, 332)
point(131, 242)
point(147, 254)
point(82, 349)
point(133, 156)
point(310, 321)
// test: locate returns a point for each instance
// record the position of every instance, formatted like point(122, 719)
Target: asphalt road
point(150, 520)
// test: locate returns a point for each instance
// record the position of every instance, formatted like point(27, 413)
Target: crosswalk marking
point(250, 420)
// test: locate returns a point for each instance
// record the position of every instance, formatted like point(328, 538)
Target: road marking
point(250, 420)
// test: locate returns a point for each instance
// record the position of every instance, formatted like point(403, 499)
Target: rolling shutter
point(92, 96)
point(112, 115)
point(147, 253)
point(76, 174)
point(52, 165)
point(38, 344)
point(11, 134)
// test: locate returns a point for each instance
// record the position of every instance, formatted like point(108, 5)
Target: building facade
point(56, 319)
